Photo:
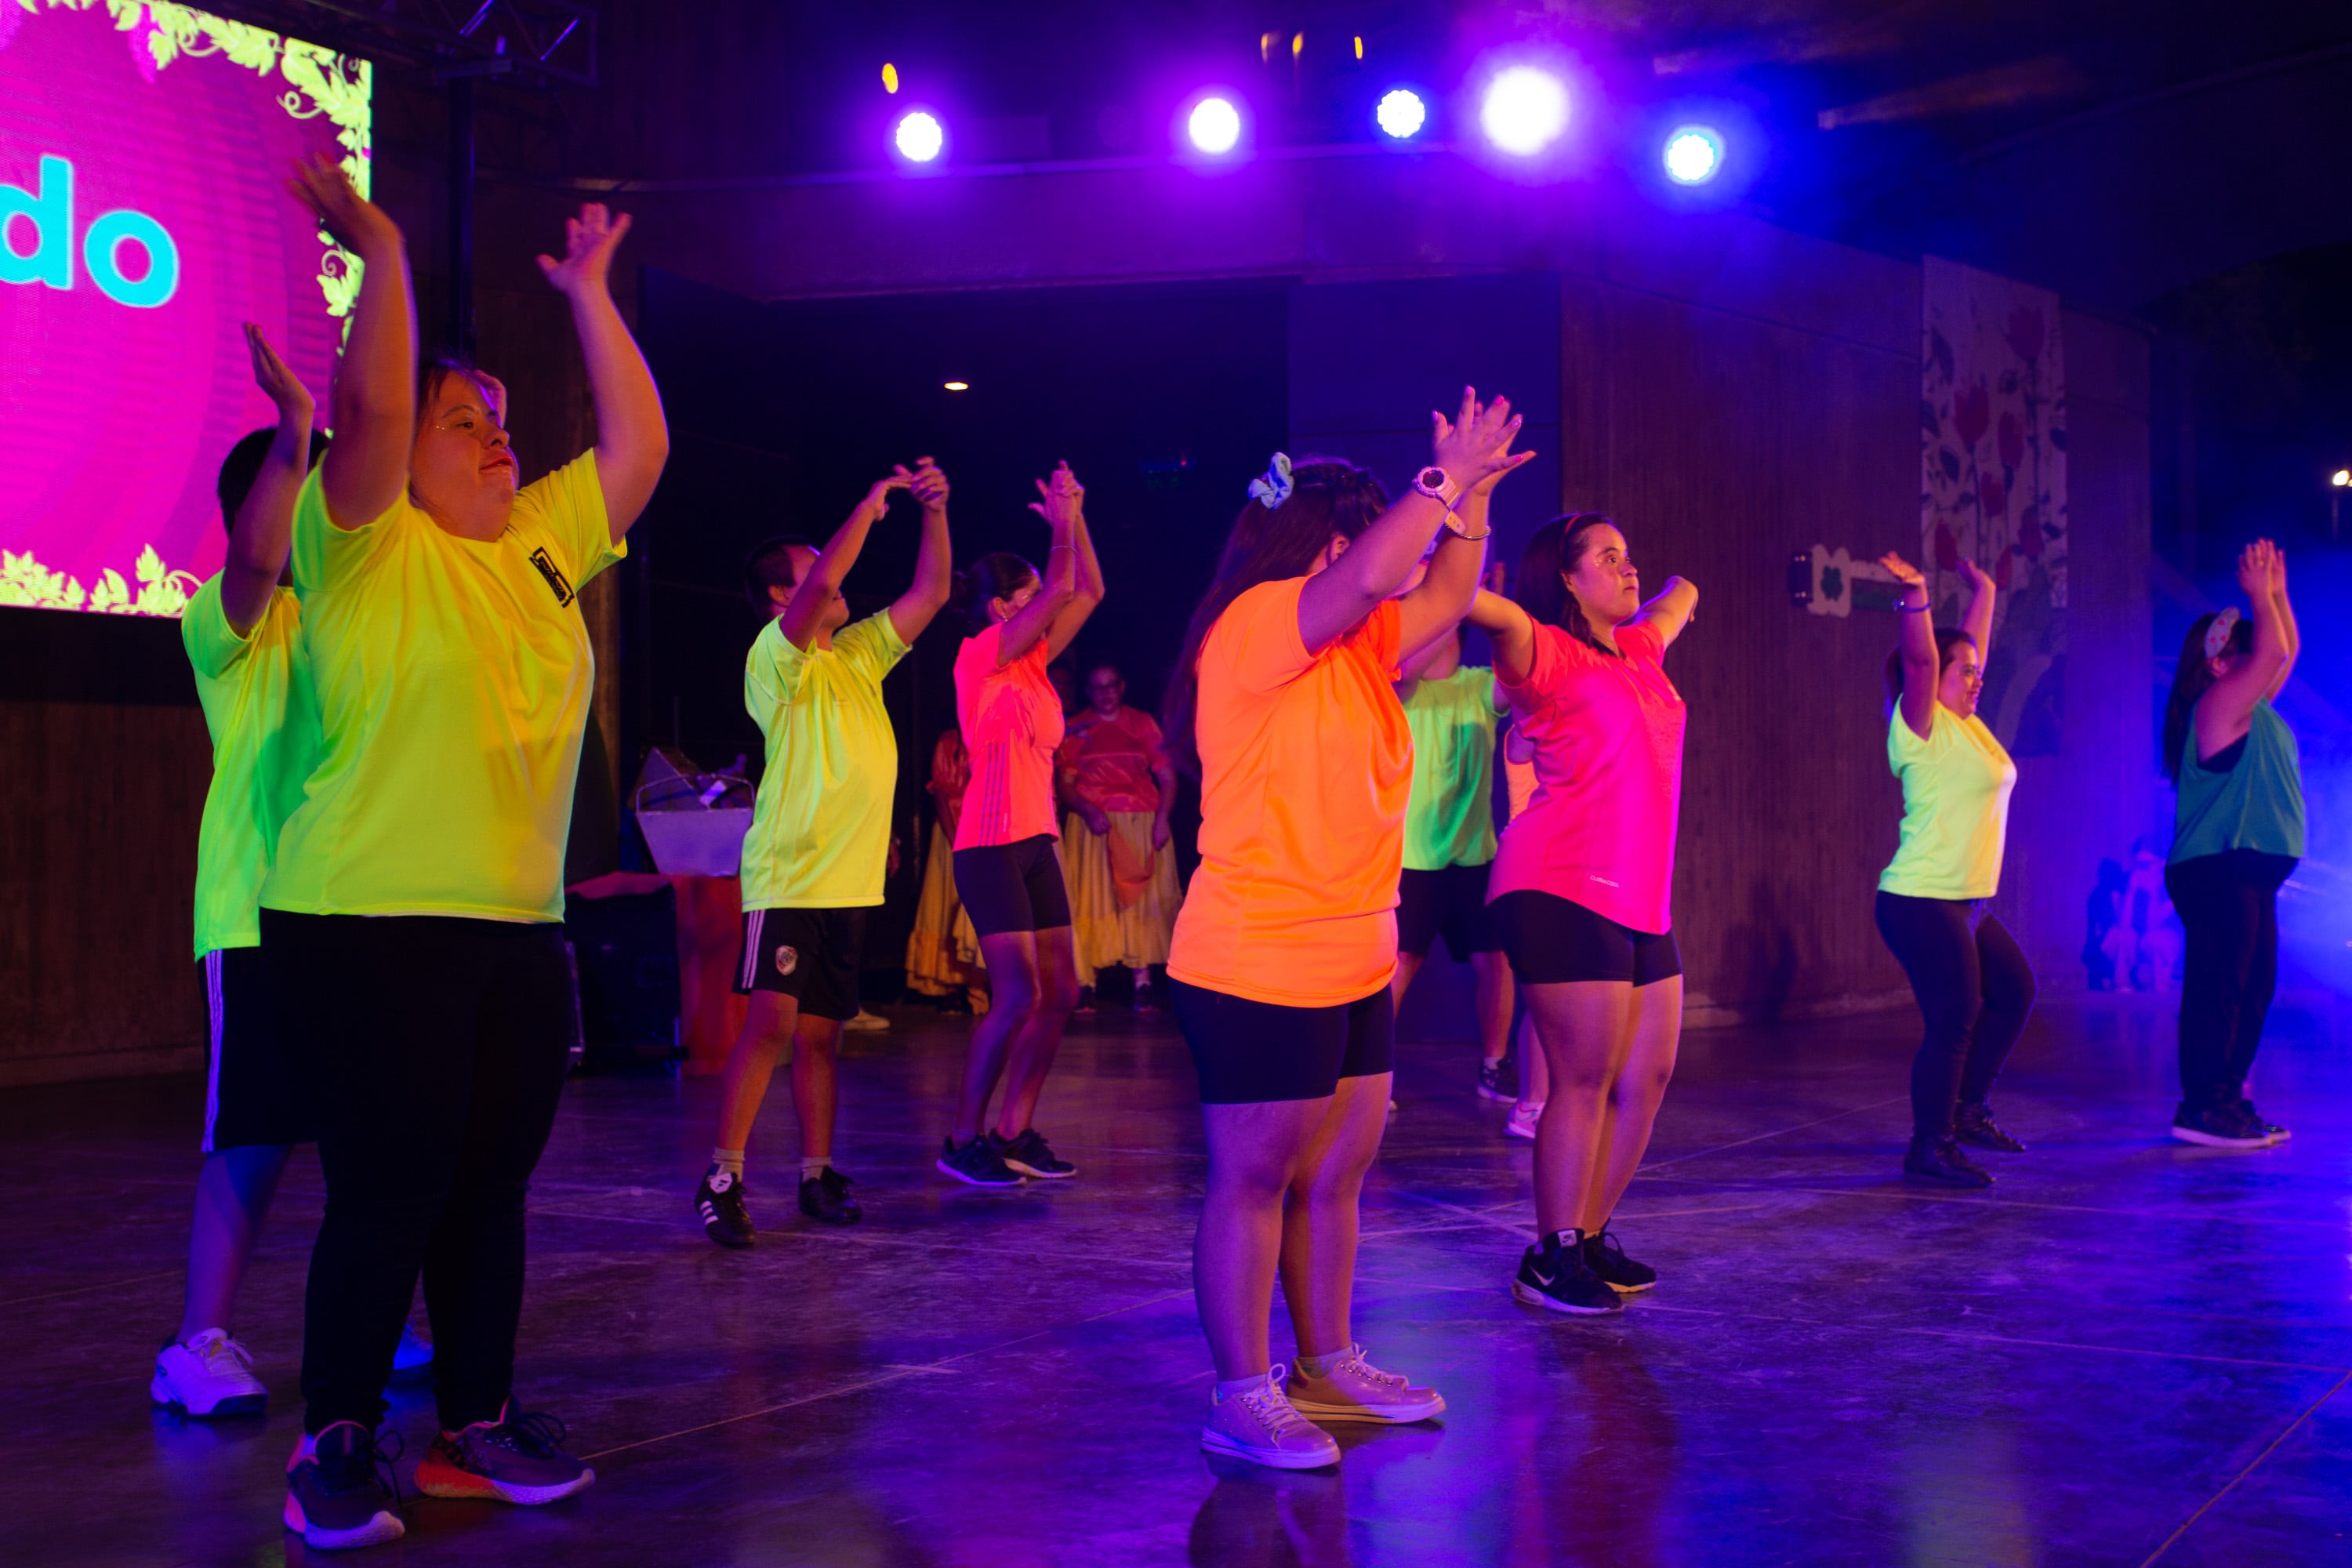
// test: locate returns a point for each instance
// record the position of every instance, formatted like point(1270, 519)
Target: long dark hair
point(2191, 678)
point(1328, 496)
point(1559, 546)
point(1946, 638)
point(986, 580)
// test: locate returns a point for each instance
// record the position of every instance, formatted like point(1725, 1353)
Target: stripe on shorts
point(213, 1064)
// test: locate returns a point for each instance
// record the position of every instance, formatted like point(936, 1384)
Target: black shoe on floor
point(340, 1492)
point(825, 1196)
point(1496, 1080)
point(2220, 1127)
point(1605, 1255)
point(718, 1204)
point(1029, 1155)
point(2270, 1131)
point(975, 1163)
point(1974, 1124)
point(1939, 1159)
point(1555, 1277)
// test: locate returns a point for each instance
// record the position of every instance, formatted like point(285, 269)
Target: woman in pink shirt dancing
point(1582, 884)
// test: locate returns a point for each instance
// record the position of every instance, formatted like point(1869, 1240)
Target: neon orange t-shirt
point(1111, 760)
point(1306, 764)
point(1011, 721)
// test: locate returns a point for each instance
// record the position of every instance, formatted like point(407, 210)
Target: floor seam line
point(2256, 1463)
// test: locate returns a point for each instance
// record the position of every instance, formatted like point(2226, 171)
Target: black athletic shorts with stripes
point(810, 955)
point(257, 1090)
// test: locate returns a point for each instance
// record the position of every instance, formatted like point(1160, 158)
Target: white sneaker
point(1260, 1426)
point(414, 1353)
point(1523, 1121)
point(1355, 1390)
point(866, 1023)
point(209, 1375)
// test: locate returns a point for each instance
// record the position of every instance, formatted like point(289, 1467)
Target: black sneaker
point(340, 1492)
point(2220, 1127)
point(718, 1203)
point(1974, 1124)
point(1496, 1080)
point(1555, 1276)
point(2270, 1131)
point(825, 1196)
point(1939, 1159)
point(1028, 1154)
point(1605, 1255)
point(975, 1163)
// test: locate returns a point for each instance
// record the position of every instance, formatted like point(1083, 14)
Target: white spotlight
point(1525, 111)
point(918, 137)
point(1401, 114)
point(1214, 125)
point(1694, 156)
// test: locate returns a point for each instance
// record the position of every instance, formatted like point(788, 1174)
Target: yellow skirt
point(943, 950)
point(1107, 935)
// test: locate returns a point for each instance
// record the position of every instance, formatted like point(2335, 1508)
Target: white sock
point(815, 1167)
point(1319, 1366)
point(727, 1159)
point(1233, 1388)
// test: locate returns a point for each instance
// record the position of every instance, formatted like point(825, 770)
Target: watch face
point(1432, 478)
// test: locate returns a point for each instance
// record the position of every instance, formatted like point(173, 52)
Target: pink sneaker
point(515, 1458)
point(1260, 1426)
point(1355, 1390)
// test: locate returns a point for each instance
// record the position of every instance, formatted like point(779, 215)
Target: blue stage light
point(1525, 110)
point(1401, 113)
point(918, 137)
point(1215, 126)
point(1694, 156)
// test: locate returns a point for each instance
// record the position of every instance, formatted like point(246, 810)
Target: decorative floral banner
point(1992, 412)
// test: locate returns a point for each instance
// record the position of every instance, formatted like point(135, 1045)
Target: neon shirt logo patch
point(554, 574)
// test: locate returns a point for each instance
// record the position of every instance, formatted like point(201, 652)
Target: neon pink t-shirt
point(1011, 721)
point(1608, 734)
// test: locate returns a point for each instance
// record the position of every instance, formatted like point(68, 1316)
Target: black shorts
point(1251, 1053)
point(257, 1091)
point(1449, 903)
point(1013, 887)
point(810, 955)
point(1553, 941)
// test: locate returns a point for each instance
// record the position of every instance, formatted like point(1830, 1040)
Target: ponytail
point(1556, 549)
point(987, 580)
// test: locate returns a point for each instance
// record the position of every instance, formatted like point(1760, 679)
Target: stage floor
point(2128, 1352)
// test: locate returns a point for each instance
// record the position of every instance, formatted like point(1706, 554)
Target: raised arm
point(1512, 631)
point(1471, 447)
point(1671, 611)
point(1977, 621)
point(2287, 628)
point(1086, 592)
point(264, 534)
point(374, 398)
point(813, 592)
point(1060, 508)
point(1437, 605)
point(912, 611)
point(1921, 668)
point(2226, 712)
point(632, 433)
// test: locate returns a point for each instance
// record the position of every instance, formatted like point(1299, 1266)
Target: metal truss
point(538, 42)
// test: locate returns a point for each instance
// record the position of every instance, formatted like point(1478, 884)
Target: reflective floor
point(2128, 1352)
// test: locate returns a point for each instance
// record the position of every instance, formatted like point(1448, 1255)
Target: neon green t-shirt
point(264, 718)
point(1450, 820)
point(454, 679)
point(820, 836)
point(1955, 785)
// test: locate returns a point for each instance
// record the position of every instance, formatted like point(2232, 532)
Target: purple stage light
point(1525, 110)
point(918, 137)
point(1215, 126)
point(1401, 114)
point(1694, 156)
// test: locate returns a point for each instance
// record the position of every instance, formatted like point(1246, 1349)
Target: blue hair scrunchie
point(1273, 488)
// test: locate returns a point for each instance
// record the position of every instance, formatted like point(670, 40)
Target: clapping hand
point(1064, 500)
point(358, 225)
point(1979, 580)
point(1473, 447)
point(878, 495)
point(1905, 574)
point(589, 241)
point(2255, 564)
point(269, 372)
point(930, 485)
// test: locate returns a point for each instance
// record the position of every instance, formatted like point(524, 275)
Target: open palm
point(589, 241)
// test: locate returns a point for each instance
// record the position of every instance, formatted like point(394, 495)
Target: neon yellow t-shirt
point(264, 718)
point(454, 679)
point(1955, 785)
point(820, 836)
point(1450, 820)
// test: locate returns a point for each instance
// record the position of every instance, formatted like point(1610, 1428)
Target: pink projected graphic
point(142, 219)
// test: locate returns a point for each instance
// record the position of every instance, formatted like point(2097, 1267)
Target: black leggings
point(442, 1046)
point(1974, 991)
point(2229, 909)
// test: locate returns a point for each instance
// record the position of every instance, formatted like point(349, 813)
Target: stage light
point(1525, 110)
point(2340, 478)
point(918, 137)
point(1360, 46)
point(957, 386)
point(1401, 113)
point(889, 77)
point(1694, 156)
point(1214, 125)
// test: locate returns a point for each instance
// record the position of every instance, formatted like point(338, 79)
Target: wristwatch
point(1438, 486)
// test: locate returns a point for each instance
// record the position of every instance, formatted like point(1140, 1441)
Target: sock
point(815, 1167)
point(1233, 1387)
point(727, 1159)
point(1319, 1366)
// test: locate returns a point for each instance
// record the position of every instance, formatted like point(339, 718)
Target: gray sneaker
point(339, 1488)
point(1260, 1424)
point(515, 1458)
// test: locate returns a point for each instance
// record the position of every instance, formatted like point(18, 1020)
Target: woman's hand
point(358, 225)
point(1161, 834)
point(1063, 498)
point(2278, 572)
point(589, 241)
point(1908, 575)
point(2254, 569)
point(1979, 580)
point(1097, 820)
point(1473, 447)
point(930, 486)
point(877, 494)
point(269, 372)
